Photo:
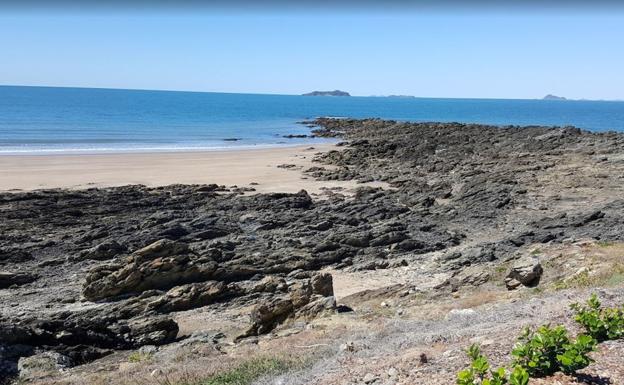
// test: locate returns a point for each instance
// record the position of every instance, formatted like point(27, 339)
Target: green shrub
point(548, 350)
point(600, 323)
point(479, 372)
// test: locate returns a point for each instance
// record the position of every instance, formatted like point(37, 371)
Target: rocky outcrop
point(306, 299)
point(160, 265)
point(525, 271)
point(194, 295)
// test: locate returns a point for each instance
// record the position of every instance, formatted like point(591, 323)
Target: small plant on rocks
point(601, 323)
point(548, 350)
point(479, 372)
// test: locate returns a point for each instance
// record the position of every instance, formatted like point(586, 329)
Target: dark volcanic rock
point(8, 279)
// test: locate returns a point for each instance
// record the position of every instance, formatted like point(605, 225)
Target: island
point(553, 97)
point(327, 93)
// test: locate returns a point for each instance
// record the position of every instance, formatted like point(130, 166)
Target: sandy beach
point(227, 167)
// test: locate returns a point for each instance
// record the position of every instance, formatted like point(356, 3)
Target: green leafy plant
point(519, 376)
point(479, 372)
point(600, 323)
point(575, 356)
point(548, 350)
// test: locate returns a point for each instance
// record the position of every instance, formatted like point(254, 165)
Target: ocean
point(73, 120)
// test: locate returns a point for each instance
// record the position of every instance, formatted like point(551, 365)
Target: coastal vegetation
point(547, 349)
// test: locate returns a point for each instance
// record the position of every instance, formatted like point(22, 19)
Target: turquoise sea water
point(50, 119)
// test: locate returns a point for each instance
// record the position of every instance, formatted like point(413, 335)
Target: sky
point(440, 53)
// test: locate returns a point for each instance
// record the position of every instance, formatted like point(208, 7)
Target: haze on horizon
point(525, 54)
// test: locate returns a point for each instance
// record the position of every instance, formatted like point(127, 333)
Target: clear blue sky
point(437, 54)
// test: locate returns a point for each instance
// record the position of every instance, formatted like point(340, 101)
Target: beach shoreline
point(224, 167)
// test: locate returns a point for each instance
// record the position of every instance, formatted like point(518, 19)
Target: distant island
point(327, 93)
point(402, 96)
point(553, 97)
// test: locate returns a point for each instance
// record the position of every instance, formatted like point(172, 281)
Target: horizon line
point(391, 95)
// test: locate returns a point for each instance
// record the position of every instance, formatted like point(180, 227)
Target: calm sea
point(50, 119)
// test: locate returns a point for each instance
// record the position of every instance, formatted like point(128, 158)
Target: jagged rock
point(193, 295)
point(300, 293)
point(160, 265)
point(147, 331)
point(525, 271)
point(159, 249)
point(270, 284)
point(266, 316)
point(306, 299)
point(8, 279)
point(105, 250)
point(322, 284)
point(317, 305)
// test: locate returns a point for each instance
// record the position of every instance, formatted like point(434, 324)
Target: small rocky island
point(553, 97)
point(327, 93)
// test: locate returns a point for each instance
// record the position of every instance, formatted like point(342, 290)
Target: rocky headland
point(375, 285)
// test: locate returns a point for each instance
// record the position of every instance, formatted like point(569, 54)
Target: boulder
point(322, 284)
point(307, 298)
point(265, 316)
point(525, 271)
point(318, 305)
